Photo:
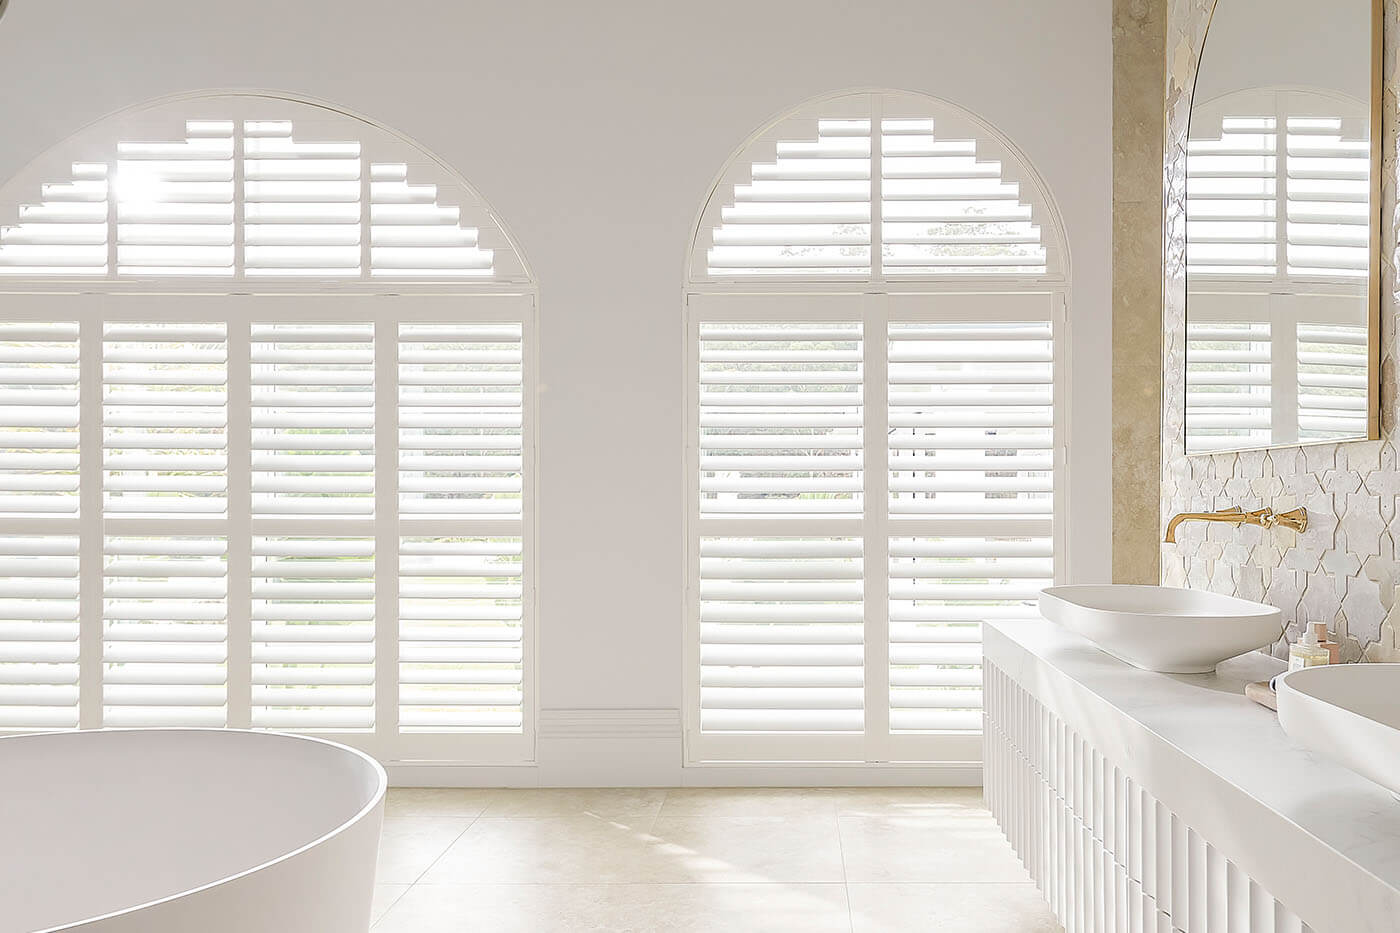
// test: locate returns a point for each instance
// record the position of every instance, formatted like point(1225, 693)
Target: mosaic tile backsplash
point(1344, 569)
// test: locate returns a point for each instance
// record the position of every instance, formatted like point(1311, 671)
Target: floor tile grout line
point(845, 879)
point(444, 851)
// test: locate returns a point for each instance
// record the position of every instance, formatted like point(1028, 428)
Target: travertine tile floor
point(644, 860)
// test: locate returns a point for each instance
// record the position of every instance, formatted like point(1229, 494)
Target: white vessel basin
point(1349, 713)
point(1163, 628)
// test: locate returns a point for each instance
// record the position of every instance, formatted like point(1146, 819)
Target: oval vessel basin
point(1349, 713)
point(1163, 628)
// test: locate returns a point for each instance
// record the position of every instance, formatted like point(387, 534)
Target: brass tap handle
point(1296, 519)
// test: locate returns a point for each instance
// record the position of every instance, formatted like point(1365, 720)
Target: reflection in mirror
point(1279, 228)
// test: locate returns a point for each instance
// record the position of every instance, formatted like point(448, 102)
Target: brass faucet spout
point(1264, 518)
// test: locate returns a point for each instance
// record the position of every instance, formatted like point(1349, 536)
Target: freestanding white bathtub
point(186, 831)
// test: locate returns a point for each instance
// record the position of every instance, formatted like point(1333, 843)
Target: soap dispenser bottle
point(1307, 652)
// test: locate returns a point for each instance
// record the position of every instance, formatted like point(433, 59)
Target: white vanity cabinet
point(1151, 802)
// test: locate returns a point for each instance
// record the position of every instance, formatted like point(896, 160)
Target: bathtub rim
point(375, 801)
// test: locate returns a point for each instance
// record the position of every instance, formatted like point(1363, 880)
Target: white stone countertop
point(1319, 837)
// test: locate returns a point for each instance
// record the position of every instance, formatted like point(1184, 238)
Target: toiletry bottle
point(1306, 652)
point(1334, 650)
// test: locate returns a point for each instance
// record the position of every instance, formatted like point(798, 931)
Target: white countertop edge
point(1320, 838)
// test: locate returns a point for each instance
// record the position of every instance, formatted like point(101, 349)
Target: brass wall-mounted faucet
point(1297, 519)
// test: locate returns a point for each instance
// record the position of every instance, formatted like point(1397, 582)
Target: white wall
point(595, 130)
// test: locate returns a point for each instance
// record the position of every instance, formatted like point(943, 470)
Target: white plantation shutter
point(301, 203)
point(1332, 380)
point(1328, 206)
point(39, 418)
point(39, 632)
point(164, 418)
point(66, 232)
point(946, 211)
point(313, 419)
point(175, 203)
point(825, 628)
point(780, 418)
point(873, 437)
point(460, 634)
point(1232, 196)
point(164, 631)
point(942, 195)
point(249, 187)
point(313, 632)
point(781, 635)
point(297, 513)
point(460, 419)
point(1229, 376)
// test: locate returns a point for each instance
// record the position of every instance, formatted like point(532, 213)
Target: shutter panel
point(1228, 384)
point(313, 419)
point(941, 590)
point(805, 213)
point(175, 203)
point(971, 419)
point(66, 232)
point(39, 632)
point(39, 419)
point(1332, 381)
point(1328, 198)
point(165, 631)
point(301, 203)
point(460, 420)
point(165, 419)
point(313, 632)
point(946, 212)
point(1231, 199)
point(781, 635)
point(412, 235)
point(460, 634)
point(780, 418)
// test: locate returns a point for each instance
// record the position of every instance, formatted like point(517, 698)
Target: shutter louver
point(460, 634)
point(1332, 381)
point(781, 635)
point(780, 418)
point(66, 232)
point(1231, 199)
point(301, 203)
point(970, 420)
point(460, 420)
point(412, 235)
point(39, 632)
point(313, 419)
point(39, 419)
point(165, 419)
point(1229, 397)
point(805, 213)
point(1328, 199)
point(175, 203)
point(945, 212)
point(165, 631)
point(313, 633)
point(941, 590)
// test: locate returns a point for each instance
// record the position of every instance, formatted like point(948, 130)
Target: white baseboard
point(643, 748)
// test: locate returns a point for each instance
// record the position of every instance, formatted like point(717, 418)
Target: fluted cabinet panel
point(1107, 856)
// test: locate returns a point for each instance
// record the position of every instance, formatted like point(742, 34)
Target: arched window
point(873, 432)
point(266, 436)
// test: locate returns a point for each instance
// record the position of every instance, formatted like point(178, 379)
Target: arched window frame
point(383, 303)
point(875, 300)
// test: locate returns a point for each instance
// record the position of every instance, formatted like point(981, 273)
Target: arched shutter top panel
point(955, 200)
point(247, 187)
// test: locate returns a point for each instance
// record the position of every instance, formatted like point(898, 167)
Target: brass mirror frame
point(1373, 275)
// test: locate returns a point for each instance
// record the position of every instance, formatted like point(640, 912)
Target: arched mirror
point(1283, 227)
